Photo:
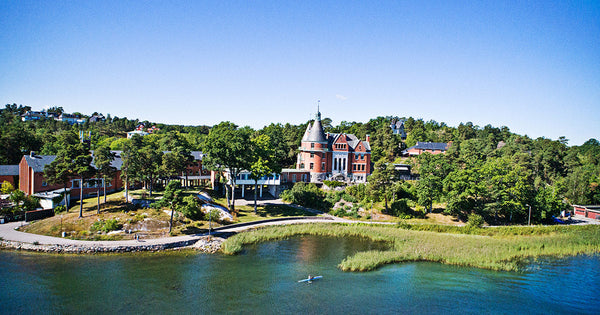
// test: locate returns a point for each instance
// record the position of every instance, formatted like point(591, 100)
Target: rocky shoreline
point(204, 244)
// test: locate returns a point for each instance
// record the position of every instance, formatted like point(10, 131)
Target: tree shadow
point(283, 211)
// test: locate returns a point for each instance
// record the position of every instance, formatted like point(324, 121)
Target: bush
point(105, 225)
point(399, 207)
point(333, 183)
point(192, 208)
point(59, 209)
point(307, 195)
point(349, 198)
point(475, 221)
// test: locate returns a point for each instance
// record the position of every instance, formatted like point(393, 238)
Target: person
point(310, 277)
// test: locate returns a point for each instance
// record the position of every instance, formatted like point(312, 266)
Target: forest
point(488, 170)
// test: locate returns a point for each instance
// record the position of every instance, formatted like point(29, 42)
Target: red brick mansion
point(333, 156)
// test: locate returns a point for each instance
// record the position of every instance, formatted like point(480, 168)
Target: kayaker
point(310, 277)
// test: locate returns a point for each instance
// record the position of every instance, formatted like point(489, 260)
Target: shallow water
point(263, 279)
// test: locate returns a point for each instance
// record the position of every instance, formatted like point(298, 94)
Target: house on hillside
point(397, 126)
point(9, 173)
point(333, 156)
point(34, 115)
point(71, 119)
point(422, 147)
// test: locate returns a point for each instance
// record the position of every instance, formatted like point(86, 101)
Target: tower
point(314, 150)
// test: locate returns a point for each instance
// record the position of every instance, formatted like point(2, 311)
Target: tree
point(227, 149)
point(381, 180)
point(432, 170)
point(263, 159)
point(176, 161)
point(150, 162)
point(82, 166)
point(61, 169)
point(172, 197)
point(103, 158)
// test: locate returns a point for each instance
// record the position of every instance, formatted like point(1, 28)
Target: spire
point(318, 115)
point(316, 134)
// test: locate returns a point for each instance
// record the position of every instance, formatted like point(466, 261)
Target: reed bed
point(502, 248)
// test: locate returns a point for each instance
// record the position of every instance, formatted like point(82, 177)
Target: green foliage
point(475, 221)
point(106, 225)
point(191, 208)
point(7, 187)
point(307, 195)
point(400, 208)
point(60, 209)
point(333, 183)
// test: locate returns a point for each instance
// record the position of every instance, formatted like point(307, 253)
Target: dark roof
point(316, 133)
point(352, 140)
point(38, 162)
point(429, 146)
point(9, 170)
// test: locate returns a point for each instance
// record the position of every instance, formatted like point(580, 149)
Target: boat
point(310, 279)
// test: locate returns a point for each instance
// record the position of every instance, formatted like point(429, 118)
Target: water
point(263, 280)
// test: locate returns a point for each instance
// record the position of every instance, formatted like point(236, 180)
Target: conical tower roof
point(306, 133)
point(316, 133)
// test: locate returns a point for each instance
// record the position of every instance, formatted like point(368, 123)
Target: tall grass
point(491, 248)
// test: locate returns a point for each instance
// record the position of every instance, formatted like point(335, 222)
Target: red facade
point(330, 156)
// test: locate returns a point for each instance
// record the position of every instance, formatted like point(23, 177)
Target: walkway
point(9, 233)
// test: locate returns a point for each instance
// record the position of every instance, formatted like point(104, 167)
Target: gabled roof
point(38, 162)
point(352, 140)
point(9, 170)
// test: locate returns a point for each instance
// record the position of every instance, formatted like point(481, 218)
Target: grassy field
point(501, 248)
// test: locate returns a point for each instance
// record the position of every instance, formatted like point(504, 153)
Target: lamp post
point(529, 219)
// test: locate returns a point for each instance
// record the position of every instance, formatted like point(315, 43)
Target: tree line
point(486, 170)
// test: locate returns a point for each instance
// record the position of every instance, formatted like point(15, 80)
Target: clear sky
point(531, 66)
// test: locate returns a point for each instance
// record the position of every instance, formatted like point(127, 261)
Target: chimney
point(32, 154)
point(368, 138)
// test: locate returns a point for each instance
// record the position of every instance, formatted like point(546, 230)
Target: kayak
point(311, 279)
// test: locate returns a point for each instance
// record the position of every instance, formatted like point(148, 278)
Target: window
point(312, 155)
point(76, 183)
point(312, 145)
point(301, 165)
point(354, 167)
point(44, 184)
point(293, 178)
point(322, 166)
point(312, 166)
point(356, 156)
point(363, 167)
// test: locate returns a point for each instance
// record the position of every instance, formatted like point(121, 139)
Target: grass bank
point(502, 248)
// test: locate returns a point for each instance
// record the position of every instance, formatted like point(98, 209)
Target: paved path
point(8, 232)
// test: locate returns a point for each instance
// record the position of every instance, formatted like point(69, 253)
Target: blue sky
point(531, 66)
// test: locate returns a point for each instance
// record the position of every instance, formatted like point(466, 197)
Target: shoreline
point(11, 239)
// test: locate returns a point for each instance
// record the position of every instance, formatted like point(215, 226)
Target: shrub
point(192, 208)
point(308, 195)
point(399, 207)
point(475, 221)
point(349, 198)
point(333, 183)
point(105, 225)
point(59, 209)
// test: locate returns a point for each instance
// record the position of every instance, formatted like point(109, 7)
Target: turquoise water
point(263, 279)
